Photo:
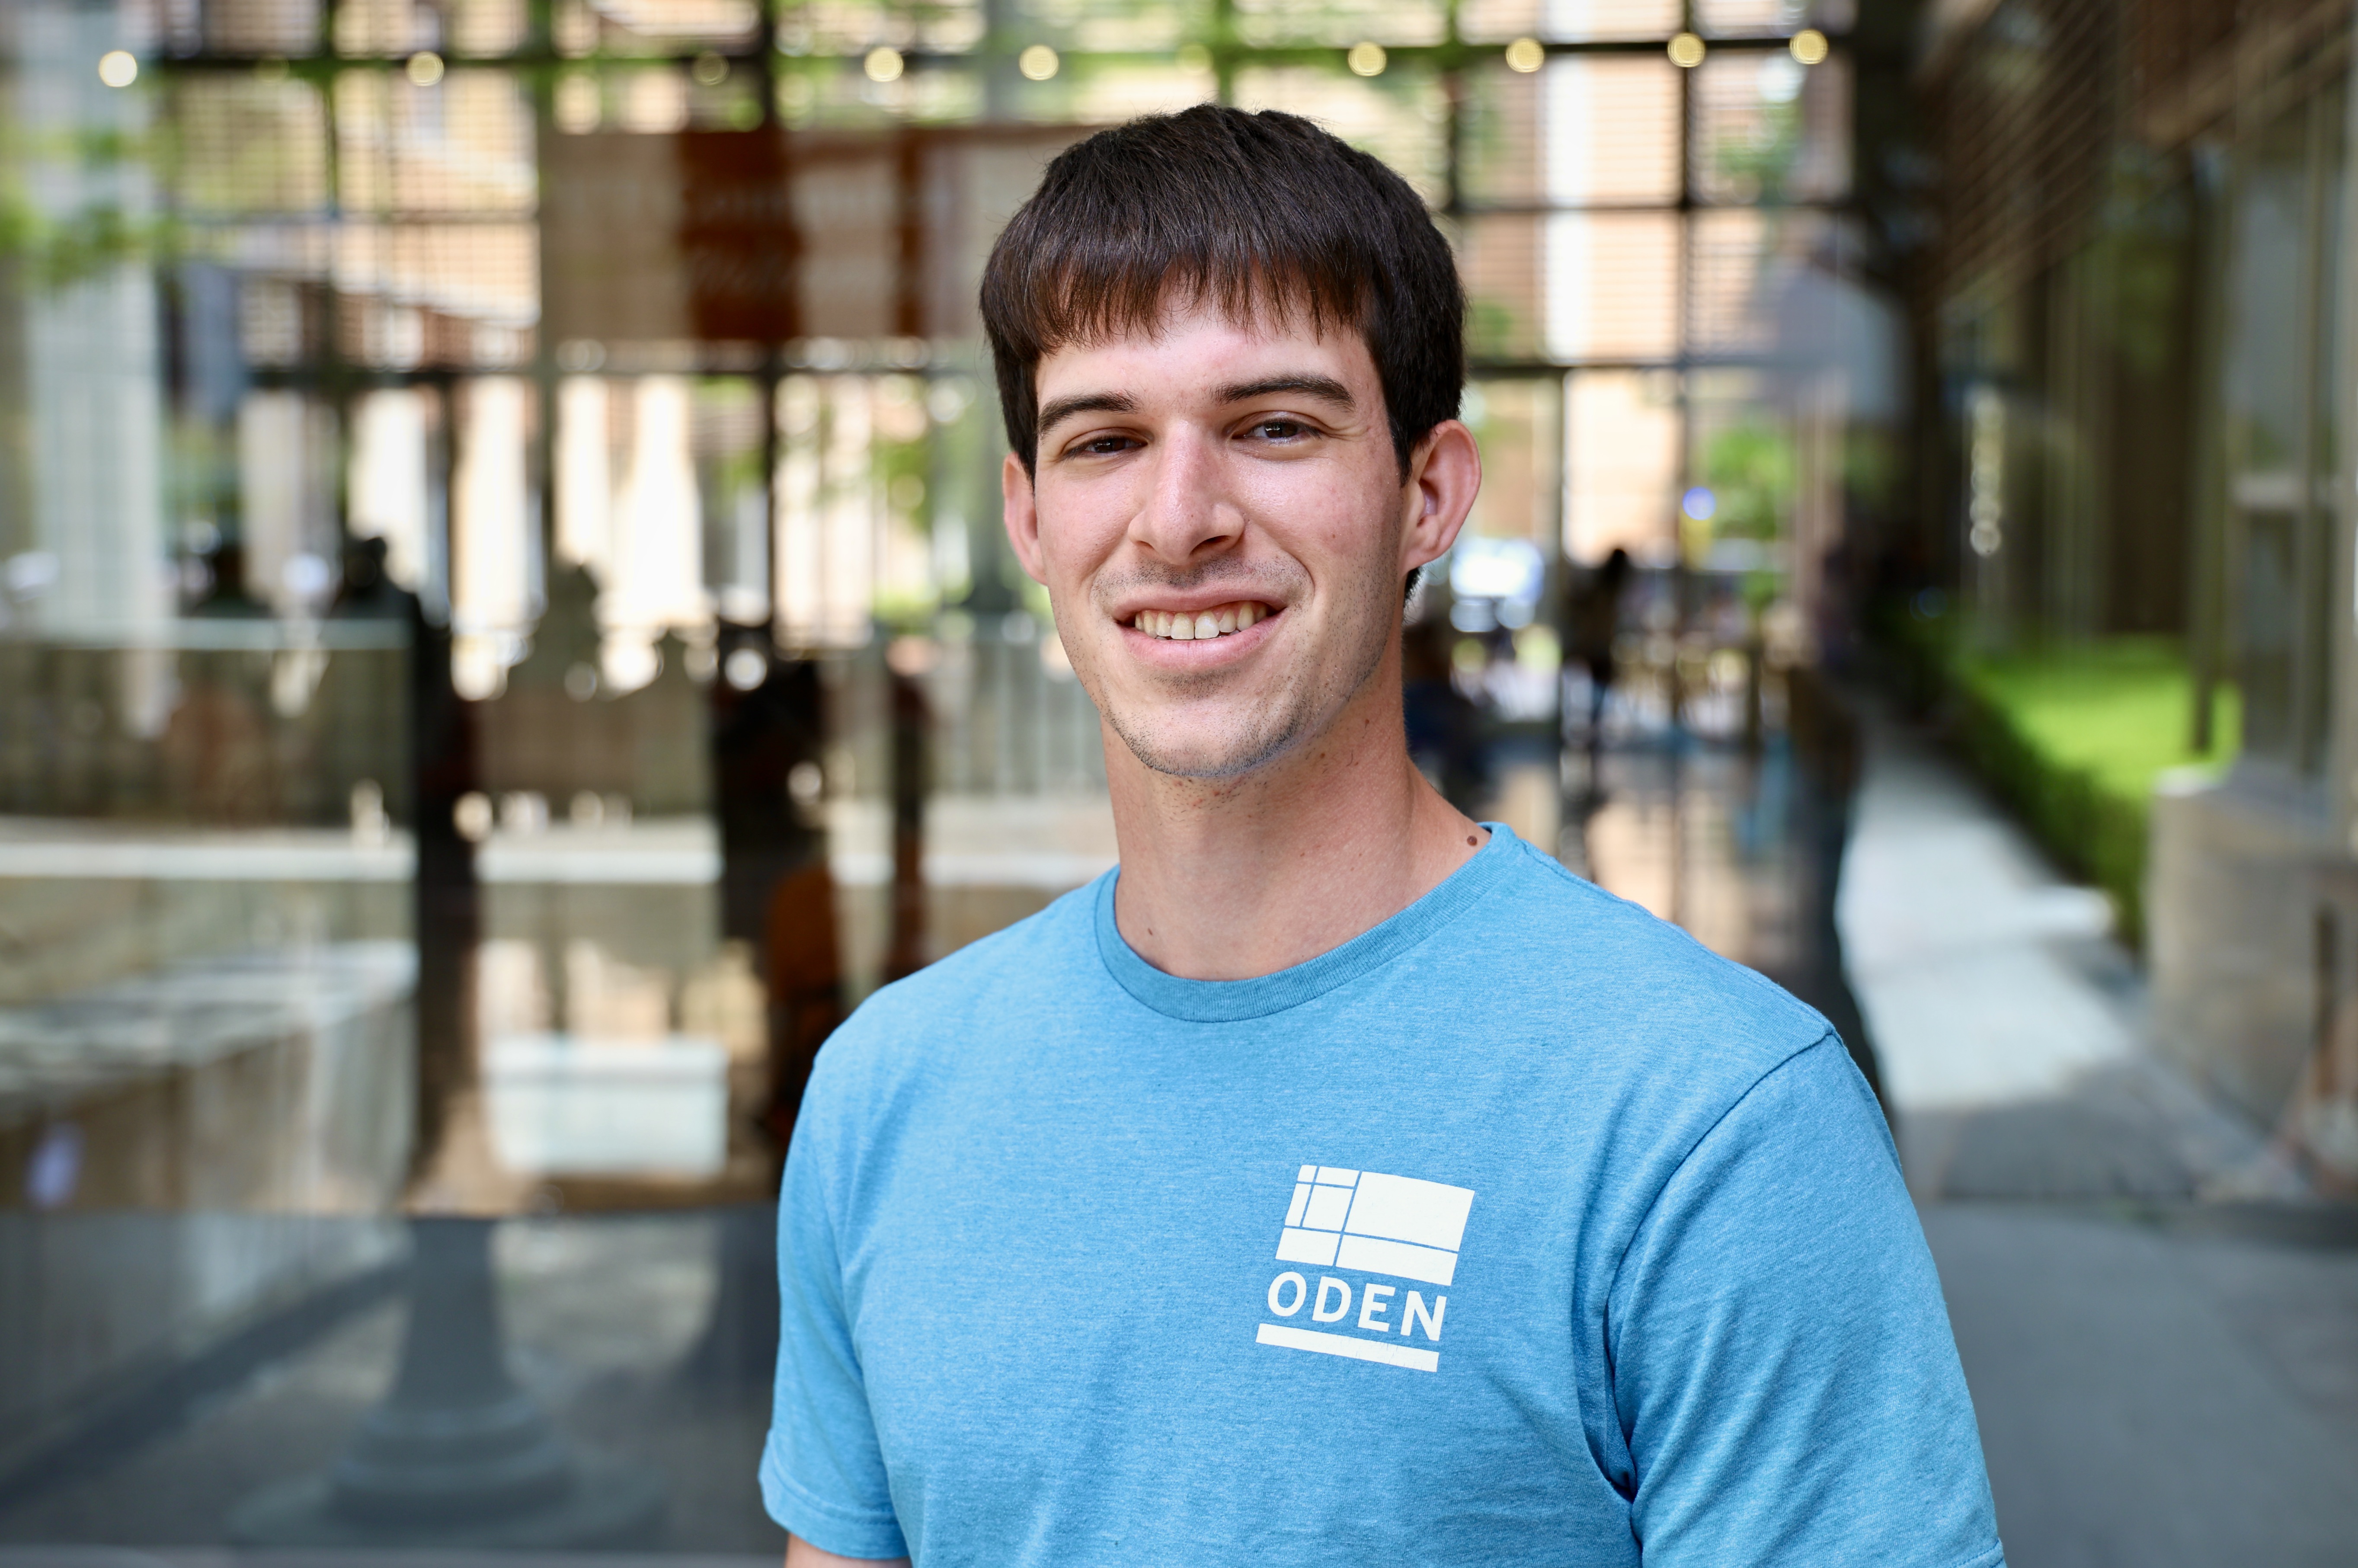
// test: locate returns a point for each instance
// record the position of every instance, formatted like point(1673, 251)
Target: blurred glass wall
point(2139, 457)
point(506, 637)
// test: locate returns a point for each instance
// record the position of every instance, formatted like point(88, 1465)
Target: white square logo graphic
point(1379, 1224)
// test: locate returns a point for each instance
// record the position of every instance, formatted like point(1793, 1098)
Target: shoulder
point(983, 992)
point(1562, 947)
point(1593, 1014)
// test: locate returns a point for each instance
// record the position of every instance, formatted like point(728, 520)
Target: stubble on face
point(1311, 531)
point(1300, 701)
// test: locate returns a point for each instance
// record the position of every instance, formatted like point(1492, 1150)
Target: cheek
point(1081, 521)
point(1339, 526)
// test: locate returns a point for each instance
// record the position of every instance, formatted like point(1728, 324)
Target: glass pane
point(1339, 23)
point(2316, 612)
point(1400, 117)
point(254, 144)
point(663, 27)
point(1112, 91)
point(1621, 465)
point(2268, 604)
point(1745, 450)
point(260, 27)
point(1572, 21)
point(2282, 302)
point(2264, 386)
point(463, 146)
point(1125, 24)
point(1769, 129)
point(1610, 131)
point(1502, 153)
point(1520, 423)
point(1767, 281)
point(1613, 283)
point(505, 637)
point(2315, 608)
point(1740, 19)
point(1501, 259)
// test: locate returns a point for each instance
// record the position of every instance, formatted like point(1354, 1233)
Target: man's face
point(1222, 525)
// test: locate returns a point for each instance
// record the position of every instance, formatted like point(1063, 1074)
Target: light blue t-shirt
point(1520, 1230)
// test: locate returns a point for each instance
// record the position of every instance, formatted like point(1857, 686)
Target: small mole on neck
point(1471, 841)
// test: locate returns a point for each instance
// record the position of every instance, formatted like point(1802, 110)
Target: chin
point(1230, 752)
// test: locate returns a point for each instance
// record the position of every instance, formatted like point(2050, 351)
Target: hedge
point(2073, 739)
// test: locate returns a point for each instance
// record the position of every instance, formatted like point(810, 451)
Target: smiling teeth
point(1202, 626)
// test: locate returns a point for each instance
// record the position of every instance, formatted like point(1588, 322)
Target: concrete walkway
point(2007, 1022)
point(2160, 1329)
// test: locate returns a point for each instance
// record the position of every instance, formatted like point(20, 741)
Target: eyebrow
point(1325, 387)
point(1320, 386)
point(1062, 408)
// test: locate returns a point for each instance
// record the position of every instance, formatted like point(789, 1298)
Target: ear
point(1444, 475)
point(1020, 509)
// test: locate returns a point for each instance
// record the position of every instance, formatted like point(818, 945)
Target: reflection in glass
point(506, 637)
point(2280, 412)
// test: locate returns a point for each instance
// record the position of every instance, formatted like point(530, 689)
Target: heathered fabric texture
point(1518, 1230)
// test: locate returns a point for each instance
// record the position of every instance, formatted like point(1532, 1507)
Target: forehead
point(1194, 349)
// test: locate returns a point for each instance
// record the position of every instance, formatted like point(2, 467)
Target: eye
point(1279, 429)
point(1102, 445)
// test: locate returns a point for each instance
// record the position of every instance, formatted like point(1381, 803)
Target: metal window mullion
point(1684, 282)
point(2208, 508)
point(2315, 276)
point(2340, 739)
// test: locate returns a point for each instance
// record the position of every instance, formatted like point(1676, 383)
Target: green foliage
point(2141, 243)
point(48, 251)
point(1873, 465)
point(1757, 166)
point(1492, 327)
point(2117, 709)
point(1751, 469)
point(2074, 740)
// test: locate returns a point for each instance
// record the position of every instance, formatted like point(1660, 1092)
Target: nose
point(1188, 515)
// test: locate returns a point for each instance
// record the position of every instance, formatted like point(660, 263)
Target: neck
point(1228, 879)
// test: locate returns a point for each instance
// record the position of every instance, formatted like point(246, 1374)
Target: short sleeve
point(1783, 1369)
point(822, 1470)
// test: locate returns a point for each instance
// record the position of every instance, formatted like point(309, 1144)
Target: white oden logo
point(1368, 1223)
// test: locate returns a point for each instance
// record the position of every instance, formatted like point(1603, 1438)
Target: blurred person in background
point(1595, 617)
point(1445, 728)
point(1340, 1180)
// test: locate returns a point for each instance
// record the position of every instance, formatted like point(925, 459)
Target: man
point(1339, 1182)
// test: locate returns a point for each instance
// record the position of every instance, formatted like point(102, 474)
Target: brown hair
point(1246, 211)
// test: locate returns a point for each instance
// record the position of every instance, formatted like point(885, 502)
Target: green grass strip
point(2074, 738)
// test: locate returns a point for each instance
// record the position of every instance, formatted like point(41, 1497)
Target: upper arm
point(1782, 1365)
point(823, 1471)
point(800, 1554)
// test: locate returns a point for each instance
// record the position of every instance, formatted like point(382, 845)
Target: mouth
point(1201, 625)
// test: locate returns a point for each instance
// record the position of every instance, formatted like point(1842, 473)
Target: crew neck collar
point(1228, 1001)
